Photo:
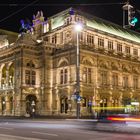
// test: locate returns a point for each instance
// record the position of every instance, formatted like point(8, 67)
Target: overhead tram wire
point(63, 4)
point(30, 4)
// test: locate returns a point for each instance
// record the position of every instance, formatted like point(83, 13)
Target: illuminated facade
point(38, 70)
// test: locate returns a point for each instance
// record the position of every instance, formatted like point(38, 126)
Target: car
point(114, 118)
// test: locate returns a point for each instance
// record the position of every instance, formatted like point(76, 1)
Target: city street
point(59, 129)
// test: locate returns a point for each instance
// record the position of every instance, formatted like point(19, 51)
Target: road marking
point(55, 135)
point(7, 128)
point(19, 137)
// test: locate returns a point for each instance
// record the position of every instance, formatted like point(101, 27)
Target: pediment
point(26, 39)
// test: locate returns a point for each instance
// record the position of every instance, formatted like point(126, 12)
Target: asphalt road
point(52, 129)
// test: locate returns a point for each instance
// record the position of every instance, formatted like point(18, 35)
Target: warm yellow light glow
point(78, 27)
point(112, 108)
point(123, 119)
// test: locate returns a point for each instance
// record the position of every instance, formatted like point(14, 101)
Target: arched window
point(3, 79)
point(11, 74)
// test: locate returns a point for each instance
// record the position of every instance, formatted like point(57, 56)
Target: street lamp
point(33, 108)
point(78, 28)
point(3, 105)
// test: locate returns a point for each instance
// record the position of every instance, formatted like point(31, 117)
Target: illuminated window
point(46, 27)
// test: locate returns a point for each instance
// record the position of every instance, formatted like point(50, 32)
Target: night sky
point(12, 11)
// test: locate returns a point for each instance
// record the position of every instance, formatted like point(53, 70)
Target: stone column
point(109, 104)
point(48, 103)
point(120, 79)
point(131, 51)
point(58, 38)
point(106, 44)
point(7, 100)
point(110, 79)
point(96, 41)
point(18, 106)
point(115, 46)
point(123, 48)
point(7, 78)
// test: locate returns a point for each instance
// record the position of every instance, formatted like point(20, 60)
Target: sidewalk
point(36, 117)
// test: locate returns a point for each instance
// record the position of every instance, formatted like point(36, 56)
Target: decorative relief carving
point(126, 68)
point(29, 90)
point(135, 69)
point(114, 66)
point(62, 62)
point(68, 36)
point(87, 61)
point(104, 64)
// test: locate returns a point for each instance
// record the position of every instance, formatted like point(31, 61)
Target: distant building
point(38, 69)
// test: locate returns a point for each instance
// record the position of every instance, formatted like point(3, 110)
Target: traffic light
point(132, 19)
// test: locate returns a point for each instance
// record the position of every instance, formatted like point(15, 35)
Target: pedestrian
point(95, 114)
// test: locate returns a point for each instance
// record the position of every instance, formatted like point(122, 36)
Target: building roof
point(11, 36)
point(98, 24)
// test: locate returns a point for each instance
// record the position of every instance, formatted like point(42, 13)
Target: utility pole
point(78, 28)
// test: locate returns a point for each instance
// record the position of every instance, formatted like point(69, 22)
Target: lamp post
point(78, 28)
point(3, 106)
point(33, 108)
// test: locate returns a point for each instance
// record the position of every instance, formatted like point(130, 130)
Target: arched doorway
point(11, 104)
point(63, 104)
point(31, 101)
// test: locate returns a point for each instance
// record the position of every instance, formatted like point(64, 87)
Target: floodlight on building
point(78, 27)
